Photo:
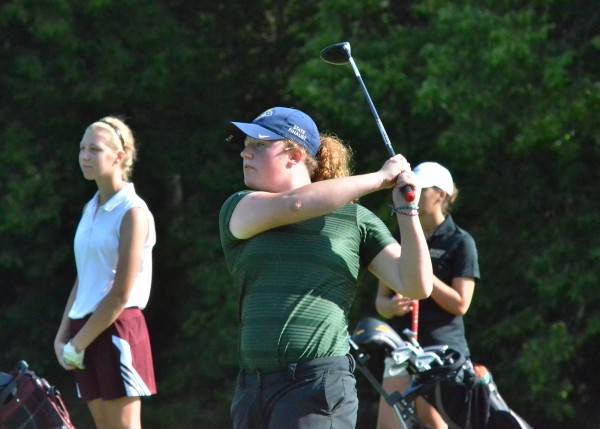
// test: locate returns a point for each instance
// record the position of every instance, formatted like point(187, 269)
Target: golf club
point(339, 54)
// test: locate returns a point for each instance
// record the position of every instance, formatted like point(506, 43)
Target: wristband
point(401, 210)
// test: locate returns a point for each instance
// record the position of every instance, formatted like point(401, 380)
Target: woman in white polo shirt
point(103, 335)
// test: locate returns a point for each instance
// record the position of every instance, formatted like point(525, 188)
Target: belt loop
point(292, 368)
point(351, 362)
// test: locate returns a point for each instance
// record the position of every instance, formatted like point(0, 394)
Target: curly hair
point(333, 159)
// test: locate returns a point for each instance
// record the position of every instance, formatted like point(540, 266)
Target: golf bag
point(464, 394)
point(30, 402)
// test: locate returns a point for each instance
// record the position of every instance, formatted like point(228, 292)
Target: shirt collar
point(445, 227)
point(119, 197)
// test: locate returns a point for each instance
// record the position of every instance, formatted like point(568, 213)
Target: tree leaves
point(506, 94)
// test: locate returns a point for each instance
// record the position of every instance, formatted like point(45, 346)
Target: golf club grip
point(415, 318)
point(406, 190)
point(408, 193)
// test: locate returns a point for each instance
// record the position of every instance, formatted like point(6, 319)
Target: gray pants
point(317, 394)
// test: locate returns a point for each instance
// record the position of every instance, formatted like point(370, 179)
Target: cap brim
point(257, 132)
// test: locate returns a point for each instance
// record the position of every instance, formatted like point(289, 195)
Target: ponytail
point(333, 159)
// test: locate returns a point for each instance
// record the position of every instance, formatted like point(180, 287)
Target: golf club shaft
point(386, 140)
point(406, 190)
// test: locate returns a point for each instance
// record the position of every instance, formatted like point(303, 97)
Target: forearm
point(262, 211)
point(383, 308)
point(455, 299)
point(112, 305)
point(319, 198)
point(63, 335)
point(105, 314)
point(415, 263)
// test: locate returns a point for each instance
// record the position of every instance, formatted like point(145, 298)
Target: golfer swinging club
point(296, 244)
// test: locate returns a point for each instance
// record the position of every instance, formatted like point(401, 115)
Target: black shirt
point(453, 254)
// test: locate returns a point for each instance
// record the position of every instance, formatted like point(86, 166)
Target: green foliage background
point(504, 93)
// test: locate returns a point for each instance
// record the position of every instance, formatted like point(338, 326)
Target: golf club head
point(336, 54)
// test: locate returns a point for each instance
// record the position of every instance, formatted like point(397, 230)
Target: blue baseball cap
point(280, 123)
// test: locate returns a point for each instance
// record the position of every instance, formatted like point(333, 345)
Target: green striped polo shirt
point(296, 283)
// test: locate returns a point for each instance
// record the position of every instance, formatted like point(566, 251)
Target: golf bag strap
point(7, 391)
point(442, 410)
point(449, 370)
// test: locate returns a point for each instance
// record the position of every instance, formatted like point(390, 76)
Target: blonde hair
point(121, 139)
point(449, 201)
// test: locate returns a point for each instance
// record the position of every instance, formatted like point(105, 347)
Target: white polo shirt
point(97, 252)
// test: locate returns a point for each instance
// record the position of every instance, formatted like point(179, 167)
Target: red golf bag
point(30, 402)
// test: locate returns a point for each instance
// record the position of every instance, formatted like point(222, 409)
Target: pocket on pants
point(339, 387)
